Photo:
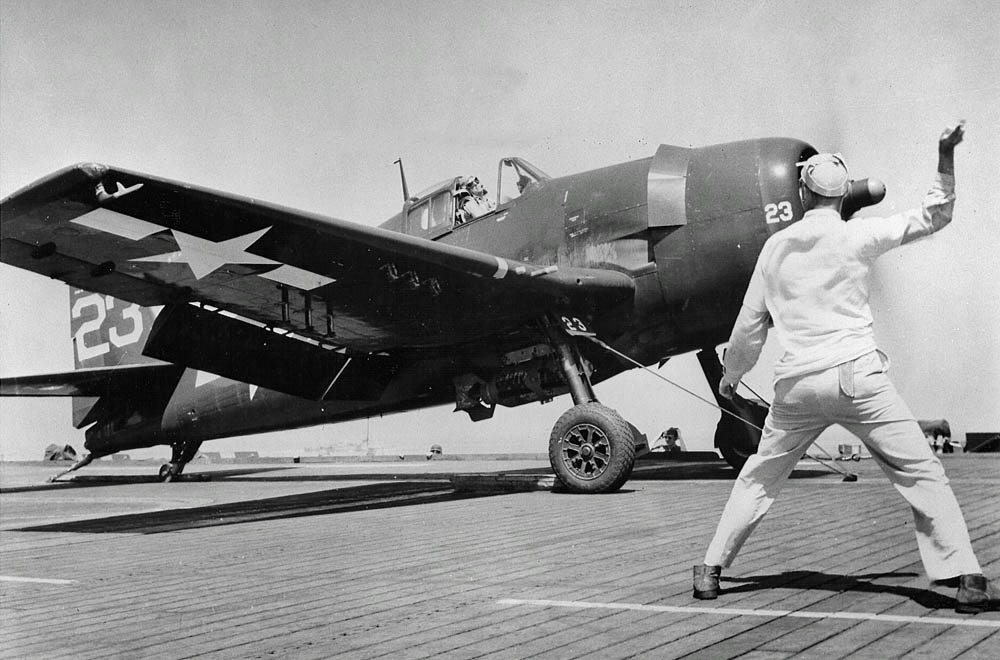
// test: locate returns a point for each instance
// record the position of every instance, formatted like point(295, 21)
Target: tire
point(592, 449)
point(169, 472)
point(736, 441)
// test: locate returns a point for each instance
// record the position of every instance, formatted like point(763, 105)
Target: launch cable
point(848, 476)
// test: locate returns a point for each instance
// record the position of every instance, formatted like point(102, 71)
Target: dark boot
point(976, 594)
point(706, 581)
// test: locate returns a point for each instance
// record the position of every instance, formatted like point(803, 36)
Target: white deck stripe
point(727, 611)
point(14, 578)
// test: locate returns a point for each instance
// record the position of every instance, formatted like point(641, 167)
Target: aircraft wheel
point(592, 449)
point(736, 446)
point(737, 441)
point(168, 471)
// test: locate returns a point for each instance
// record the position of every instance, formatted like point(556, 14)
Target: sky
point(307, 104)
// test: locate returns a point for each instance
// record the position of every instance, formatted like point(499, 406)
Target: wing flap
point(208, 341)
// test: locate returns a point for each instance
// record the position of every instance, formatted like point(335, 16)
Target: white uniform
point(812, 280)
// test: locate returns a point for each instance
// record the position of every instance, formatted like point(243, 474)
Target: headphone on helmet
point(825, 174)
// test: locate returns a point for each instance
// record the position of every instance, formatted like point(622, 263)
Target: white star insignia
point(205, 257)
point(204, 378)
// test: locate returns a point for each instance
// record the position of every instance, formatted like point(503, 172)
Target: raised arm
point(936, 211)
point(950, 138)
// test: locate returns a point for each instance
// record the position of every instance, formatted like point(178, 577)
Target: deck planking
point(314, 562)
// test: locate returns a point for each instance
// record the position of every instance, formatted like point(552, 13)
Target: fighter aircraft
point(198, 314)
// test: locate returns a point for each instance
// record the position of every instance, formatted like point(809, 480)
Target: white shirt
point(811, 279)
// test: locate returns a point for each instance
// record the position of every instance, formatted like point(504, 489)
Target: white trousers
point(859, 396)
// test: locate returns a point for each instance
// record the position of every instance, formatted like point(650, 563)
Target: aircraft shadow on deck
point(645, 470)
point(815, 580)
point(94, 480)
point(674, 471)
point(339, 500)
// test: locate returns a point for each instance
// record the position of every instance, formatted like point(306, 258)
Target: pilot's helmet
point(826, 175)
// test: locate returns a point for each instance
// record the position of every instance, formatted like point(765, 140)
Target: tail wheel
point(170, 471)
point(592, 449)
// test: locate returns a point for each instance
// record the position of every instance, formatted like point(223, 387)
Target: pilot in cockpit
point(471, 200)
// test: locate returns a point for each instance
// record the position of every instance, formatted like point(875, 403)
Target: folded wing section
point(157, 242)
point(338, 287)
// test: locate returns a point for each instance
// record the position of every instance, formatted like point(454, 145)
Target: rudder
point(108, 332)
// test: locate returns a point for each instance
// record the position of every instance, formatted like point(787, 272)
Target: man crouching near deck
point(812, 280)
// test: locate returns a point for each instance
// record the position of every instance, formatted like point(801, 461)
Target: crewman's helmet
point(826, 175)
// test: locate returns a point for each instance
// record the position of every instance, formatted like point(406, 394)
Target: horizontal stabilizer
point(131, 380)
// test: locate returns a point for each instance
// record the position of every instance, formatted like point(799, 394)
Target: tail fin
point(108, 332)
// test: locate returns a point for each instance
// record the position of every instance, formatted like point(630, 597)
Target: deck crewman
point(812, 281)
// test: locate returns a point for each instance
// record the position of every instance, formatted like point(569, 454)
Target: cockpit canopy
point(437, 210)
point(515, 176)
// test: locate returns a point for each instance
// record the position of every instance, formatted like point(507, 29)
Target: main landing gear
point(736, 439)
point(182, 452)
point(592, 448)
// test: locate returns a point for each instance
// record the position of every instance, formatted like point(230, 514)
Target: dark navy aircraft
point(198, 314)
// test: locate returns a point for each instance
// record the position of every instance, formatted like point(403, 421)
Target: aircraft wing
point(101, 381)
point(334, 284)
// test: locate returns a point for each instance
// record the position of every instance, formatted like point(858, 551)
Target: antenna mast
point(402, 176)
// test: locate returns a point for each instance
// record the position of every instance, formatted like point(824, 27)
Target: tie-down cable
point(848, 476)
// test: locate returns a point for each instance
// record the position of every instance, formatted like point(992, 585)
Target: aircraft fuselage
point(685, 224)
